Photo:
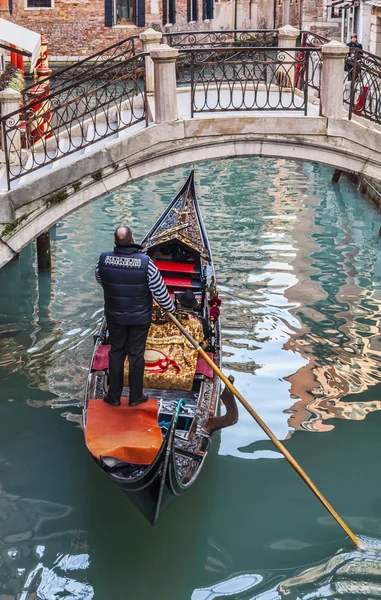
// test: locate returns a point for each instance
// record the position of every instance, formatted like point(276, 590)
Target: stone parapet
point(287, 36)
point(10, 101)
point(331, 93)
point(164, 59)
point(150, 39)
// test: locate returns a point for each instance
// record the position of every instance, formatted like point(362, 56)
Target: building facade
point(375, 28)
point(76, 28)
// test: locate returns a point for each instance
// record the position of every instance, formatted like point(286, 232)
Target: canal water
point(299, 272)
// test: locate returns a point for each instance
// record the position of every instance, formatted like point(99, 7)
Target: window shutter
point(189, 11)
point(209, 9)
point(141, 13)
point(172, 11)
point(109, 13)
point(194, 10)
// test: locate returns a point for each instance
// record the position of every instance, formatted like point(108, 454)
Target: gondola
point(154, 452)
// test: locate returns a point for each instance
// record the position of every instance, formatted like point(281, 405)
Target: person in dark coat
point(350, 59)
point(129, 279)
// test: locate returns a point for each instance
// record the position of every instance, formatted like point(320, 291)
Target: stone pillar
point(164, 59)
point(10, 101)
point(286, 12)
point(150, 39)
point(331, 92)
point(287, 36)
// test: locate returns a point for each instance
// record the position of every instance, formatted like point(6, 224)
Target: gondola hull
point(178, 244)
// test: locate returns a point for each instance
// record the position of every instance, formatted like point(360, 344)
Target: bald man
point(129, 279)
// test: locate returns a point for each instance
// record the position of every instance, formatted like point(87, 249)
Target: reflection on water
point(299, 274)
point(24, 574)
point(340, 334)
point(354, 574)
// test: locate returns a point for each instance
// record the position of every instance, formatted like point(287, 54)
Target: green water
point(299, 272)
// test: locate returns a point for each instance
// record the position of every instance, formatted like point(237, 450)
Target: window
point(39, 4)
point(335, 13)
point(169, 12)
point(207, 9)
point(334, 10)
point(125, 12)
point(192, 10)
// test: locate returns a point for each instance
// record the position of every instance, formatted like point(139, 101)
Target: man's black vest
point(128, 299)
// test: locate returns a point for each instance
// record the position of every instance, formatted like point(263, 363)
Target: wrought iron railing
point(215, 39)
point(128, 47)
point(45, 131)
point(88, 66)
point(364, 74)
point(312, 40)
point(227, 37)
point(246, 79)
point(315, 42)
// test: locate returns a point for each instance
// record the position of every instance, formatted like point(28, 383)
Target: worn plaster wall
point(77, 27)
point(375, 31)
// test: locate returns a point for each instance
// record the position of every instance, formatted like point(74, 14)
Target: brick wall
point(315, 18)
point(76, 27)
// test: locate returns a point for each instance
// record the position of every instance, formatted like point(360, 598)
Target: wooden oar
point(266, 429)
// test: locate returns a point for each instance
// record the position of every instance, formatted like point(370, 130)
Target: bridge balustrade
point(93, 109)
point(107, 93)
point(226, 37)
point(130, 46)
point(246, 79)
point(315, 42)
point(91, 65)
point(362, 91)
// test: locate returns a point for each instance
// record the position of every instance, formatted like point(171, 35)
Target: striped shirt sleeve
point(158, 287)
point(97, 274)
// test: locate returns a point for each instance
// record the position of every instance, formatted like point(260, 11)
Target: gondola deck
point(187, 416)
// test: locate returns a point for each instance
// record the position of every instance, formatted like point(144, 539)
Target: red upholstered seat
point(202, 367)
point(176, 267)
point(100, 362)
point(181, 282)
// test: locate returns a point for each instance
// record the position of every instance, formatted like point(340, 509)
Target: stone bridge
point(170, 122)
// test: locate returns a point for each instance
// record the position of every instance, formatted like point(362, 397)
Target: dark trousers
point(127, 340)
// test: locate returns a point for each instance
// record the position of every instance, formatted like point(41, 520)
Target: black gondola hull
point(154, 488)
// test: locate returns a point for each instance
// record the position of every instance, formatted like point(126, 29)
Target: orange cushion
point(131, 434)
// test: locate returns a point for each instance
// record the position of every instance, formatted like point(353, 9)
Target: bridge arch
point(341, 144)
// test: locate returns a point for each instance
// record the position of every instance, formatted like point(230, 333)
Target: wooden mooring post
point(336, 176)
point(44, 260)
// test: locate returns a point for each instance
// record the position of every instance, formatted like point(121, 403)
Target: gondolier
point(155, 454)
point(129, 279)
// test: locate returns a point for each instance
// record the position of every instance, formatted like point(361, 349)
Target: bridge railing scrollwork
point(312, 40)
point(130, 46)
point(48, 130)
point(90, 65)
point(362, 91)
point(226, 37)
point(315, 42)
point(246, 79)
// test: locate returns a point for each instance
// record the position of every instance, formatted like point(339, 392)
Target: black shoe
point(139, 401)
point(106, 399)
